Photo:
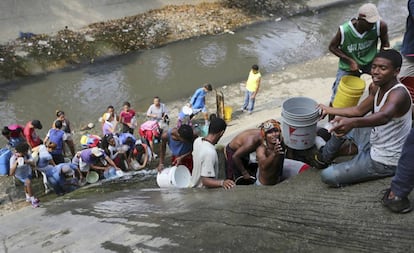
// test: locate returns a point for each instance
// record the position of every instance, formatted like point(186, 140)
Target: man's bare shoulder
point(245, 137)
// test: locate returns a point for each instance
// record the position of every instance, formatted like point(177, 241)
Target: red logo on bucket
point(291, 130)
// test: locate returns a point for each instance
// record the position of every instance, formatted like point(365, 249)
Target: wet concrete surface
point(298, 215)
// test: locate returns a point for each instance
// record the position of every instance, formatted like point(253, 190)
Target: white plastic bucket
point(178, 177)
point(299, 120)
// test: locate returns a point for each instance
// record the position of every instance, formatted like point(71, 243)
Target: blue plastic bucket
point(5, 155)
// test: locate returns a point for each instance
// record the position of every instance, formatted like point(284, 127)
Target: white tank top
point(387, 140)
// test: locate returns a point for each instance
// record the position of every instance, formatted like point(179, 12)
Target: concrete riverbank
point(56, 35)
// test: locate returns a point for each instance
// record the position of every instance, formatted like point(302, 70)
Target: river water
point(174, 71)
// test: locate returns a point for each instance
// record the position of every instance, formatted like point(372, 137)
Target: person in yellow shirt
point(252, 88)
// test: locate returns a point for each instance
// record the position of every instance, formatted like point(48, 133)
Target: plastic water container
point(174, 177)
point(228, 111)
point(349, 92)
point(5, 155)
point(299, 119)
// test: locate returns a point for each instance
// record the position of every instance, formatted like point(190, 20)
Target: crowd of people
point(377, 131)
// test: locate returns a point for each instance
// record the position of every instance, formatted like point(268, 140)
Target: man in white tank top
point(379, 135)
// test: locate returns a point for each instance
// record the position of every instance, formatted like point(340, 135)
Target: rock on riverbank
point(33, 54)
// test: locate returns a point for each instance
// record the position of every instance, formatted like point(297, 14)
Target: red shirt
point(127, 116)
point(30, 134)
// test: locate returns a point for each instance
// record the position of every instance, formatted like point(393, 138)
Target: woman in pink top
point(127, 118)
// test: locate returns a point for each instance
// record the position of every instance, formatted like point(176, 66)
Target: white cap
point(369, 12)
point(96, 151)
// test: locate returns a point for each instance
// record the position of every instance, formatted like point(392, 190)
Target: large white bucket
point(299, 119)
point(178, 177)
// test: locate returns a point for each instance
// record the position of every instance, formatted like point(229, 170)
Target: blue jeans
point(248, 101)
point(57, 182)
point(360, 168)
point(403, 181)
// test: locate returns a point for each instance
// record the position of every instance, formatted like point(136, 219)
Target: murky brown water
point(173, 72)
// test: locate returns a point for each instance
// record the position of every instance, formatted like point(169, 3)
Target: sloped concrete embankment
point(298, 215)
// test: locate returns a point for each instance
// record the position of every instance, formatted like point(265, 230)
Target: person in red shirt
point(127, 118)
point(30, 134)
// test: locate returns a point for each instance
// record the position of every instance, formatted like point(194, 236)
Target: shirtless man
point(237, 153)
point(270, 154)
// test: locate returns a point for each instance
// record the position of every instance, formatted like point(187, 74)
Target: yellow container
point(349, 92)
point(228, 111)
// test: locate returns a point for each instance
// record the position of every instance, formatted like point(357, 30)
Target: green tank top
point(360, 47)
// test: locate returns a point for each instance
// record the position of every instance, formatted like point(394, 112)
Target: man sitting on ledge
point(379, 135)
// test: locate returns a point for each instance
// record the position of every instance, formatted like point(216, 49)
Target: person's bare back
point(240, 147)
point(249, 139)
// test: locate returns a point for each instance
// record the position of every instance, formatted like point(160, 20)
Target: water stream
point(174, 71)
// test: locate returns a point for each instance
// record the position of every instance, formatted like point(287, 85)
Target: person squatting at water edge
point(14, 134)
point(355, 59)
point(180, 142)
point(407, 50)
point(205, 158)
point(252, 88)
point(95, 159)
point(379, 135)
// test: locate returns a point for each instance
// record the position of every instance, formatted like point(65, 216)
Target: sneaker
point(317, 162)
point(250, 112)
point(35, 200)
point(35, 205)
point(242, 109)
point(396, 204)
point(155, 156)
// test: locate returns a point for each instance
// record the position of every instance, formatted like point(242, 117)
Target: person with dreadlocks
point(270, 154)
point(273, 167)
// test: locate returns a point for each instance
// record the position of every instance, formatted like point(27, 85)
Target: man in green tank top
point(356, 42)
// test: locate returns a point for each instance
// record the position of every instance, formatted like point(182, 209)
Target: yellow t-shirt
point(252, 82)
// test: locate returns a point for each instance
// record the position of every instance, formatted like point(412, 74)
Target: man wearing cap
point(198, 101)
point(56, 177)
point(180, 142)
point(30, 134)
point(93, 158)
point(355, 43)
